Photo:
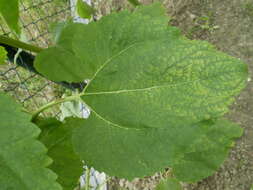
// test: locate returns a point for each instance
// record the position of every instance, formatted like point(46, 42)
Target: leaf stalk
point(87, 181)
point(19, 44)
point(53, 103)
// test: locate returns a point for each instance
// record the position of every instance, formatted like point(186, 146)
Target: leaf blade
point(210, 152)
point(57, 139)
point(98, 52)
point(23, 158)
point(10, 12)
point(194, 89)
point(130, 153)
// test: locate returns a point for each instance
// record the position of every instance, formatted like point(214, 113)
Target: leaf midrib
point(112, 124)
point(150, 88)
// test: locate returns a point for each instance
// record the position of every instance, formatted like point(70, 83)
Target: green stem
point(53, 103)
point(19, 44)
point(87, 181)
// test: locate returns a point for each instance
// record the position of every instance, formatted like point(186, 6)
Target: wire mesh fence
point(27, 87)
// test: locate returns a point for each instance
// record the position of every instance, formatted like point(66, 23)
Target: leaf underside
point(23, 159)
point(153, 94)
point(10, 12)
point(57, 139)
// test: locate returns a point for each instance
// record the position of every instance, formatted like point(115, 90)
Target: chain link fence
point(21, 80)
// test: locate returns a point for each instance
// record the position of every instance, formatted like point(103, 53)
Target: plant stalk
point(53, 103)
point(19, 44)
point(87, 181)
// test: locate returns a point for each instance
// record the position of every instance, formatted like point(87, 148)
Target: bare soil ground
point(228, 24)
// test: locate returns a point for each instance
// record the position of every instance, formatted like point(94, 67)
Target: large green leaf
point(66, 163)
point(130, 153)
point(23, 159)
point(150, 92)
point(10, 12)
point(169, 184)
point(3, 55)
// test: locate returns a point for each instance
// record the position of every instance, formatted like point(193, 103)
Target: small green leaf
point(23, 159)
point(83, 9)
point(66, 163)
point(169, 184)
point(3, 55)
point(10, 12)
point(134, 2)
